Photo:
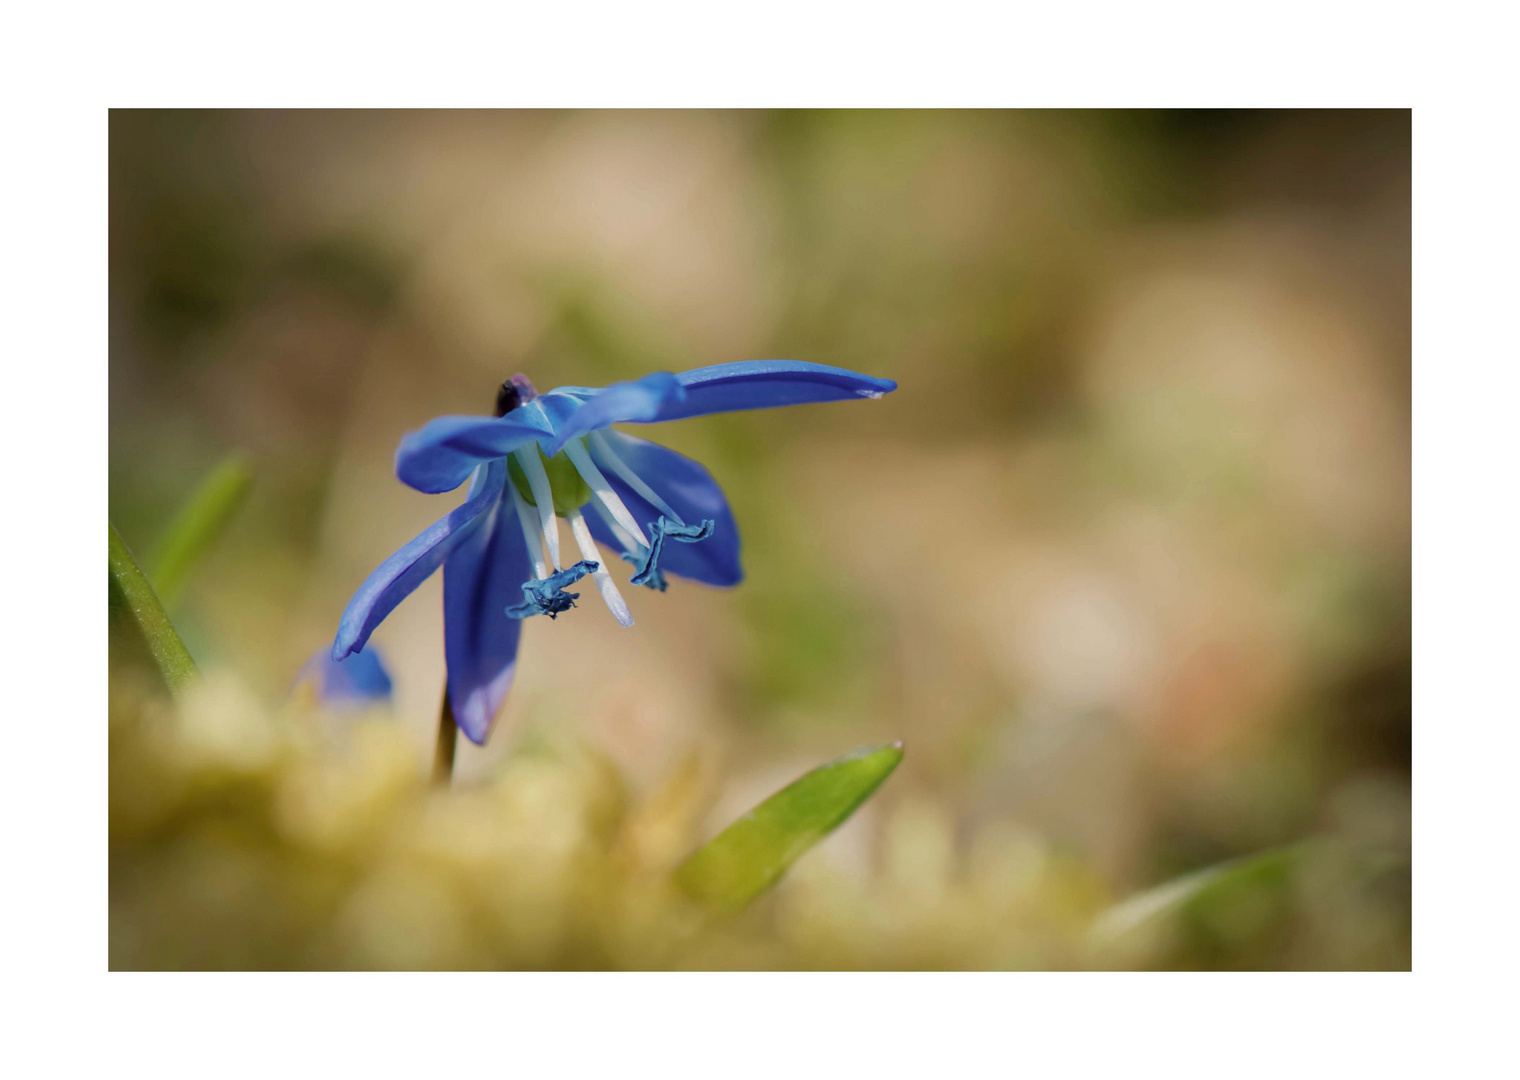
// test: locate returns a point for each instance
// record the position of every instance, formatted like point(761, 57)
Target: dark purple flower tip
point(517, 390)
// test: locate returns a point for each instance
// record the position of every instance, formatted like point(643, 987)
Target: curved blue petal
point(396, 578)
point(577, 411)
point(766, 384)
point(356, 680)
point(482, 576)
point(691, 492)
point(441, 454)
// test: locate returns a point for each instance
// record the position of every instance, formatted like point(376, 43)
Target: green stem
point(168, 650)
point(448, 738)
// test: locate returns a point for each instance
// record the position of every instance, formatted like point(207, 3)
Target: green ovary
point(570, 491)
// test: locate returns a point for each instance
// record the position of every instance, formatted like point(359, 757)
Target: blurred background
point(1124, 562)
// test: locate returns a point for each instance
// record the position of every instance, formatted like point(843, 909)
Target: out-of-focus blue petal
point(356, 680)
point(691, 492)
point(482, 576)
point(442, 453)
point(639, 401)
point(396, 578)
point(765, 384)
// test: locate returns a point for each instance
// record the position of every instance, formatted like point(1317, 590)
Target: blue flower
point(353, 681)
point(543, 457)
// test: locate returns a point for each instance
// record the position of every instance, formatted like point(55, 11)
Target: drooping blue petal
point(481, 576)
point(766, 384)
point(576, 410)
point(442, 453)
point(648, 567)
point(353, 682)
point(690, 491)
point(396, 578)
point(548, 597)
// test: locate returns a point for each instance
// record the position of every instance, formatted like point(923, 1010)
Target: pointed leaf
point(1147, 909)
point(750, 855)
point(168, 650)
point(198, 526)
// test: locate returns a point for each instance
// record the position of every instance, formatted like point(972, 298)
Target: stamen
point(543, 496)
point(604, 449)
point(630, 546)
point(649, 566)
point(598, 483)
point(548, 596)
point(530, 532)
point(610, 595)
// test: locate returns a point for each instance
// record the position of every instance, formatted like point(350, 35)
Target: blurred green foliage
point(197, 527)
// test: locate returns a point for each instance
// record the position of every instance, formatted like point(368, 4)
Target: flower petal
point(576, 410)
point(356, 680)
point(442, 453)
point(396, 578)
point(691, 492)
point(482, 576)
point(766, 384)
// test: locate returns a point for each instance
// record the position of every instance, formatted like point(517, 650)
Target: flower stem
point(448, 737)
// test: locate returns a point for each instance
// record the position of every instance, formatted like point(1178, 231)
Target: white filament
point(543, 496)
point(598, 483)
point(610, 595)
point(530, 531)
point(628, 543)
point(628, 476)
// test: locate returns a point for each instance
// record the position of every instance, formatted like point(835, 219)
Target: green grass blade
point(1170, 899)
point(750, 855)
point(168, 650)
point(197, 527)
